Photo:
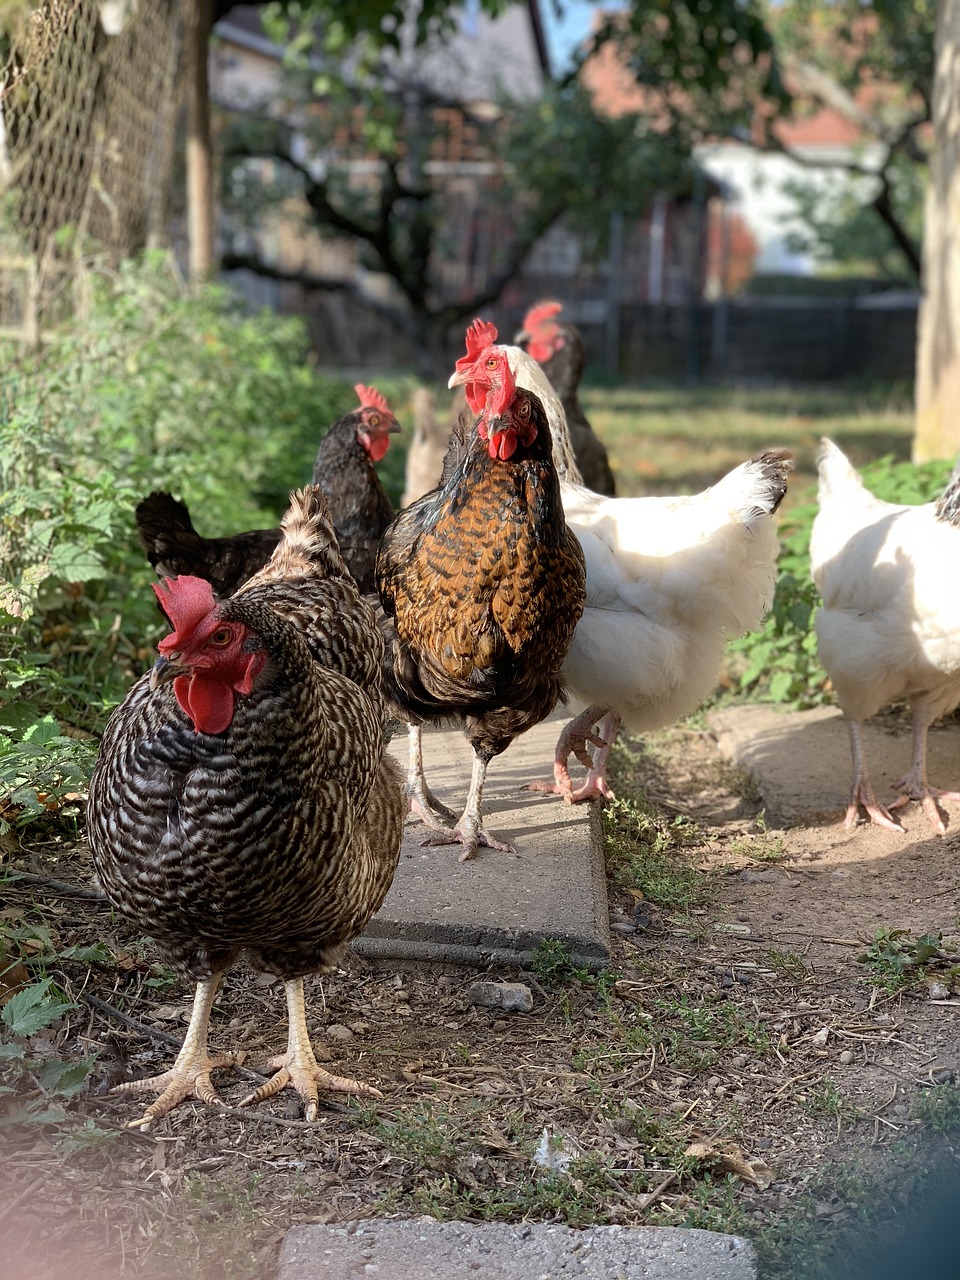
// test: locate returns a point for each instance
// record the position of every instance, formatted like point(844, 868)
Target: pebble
point(338, 1032)
point(846, 1057)
point(512, 997)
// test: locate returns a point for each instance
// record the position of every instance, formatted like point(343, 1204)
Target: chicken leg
point(299, 1068)
point(574, 740)
point(423, 803)
point(468, 830)
point(190, 1073)
point(914, 785)
point(862, 792)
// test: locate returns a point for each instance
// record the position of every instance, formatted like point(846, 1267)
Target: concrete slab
point(800, 760)
point(424, 1249)
point(496, 908)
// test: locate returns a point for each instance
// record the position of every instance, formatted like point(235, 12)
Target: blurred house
point(811, 149)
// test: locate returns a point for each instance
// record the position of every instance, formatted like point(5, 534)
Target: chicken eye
point(373, 420)
point(524, 409)
point(492, 362)
point(221, 637)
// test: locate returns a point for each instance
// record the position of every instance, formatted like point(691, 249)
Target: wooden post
point(938, 331)
point(200, 200)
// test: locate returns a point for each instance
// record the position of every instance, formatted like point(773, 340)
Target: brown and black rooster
point(483, 584)
point(242, 799)
point(344, 471)
point(557, 345)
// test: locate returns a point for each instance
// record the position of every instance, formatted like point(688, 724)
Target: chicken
point(669, 581)
point(482, 584)
point(242, 799)
point(344, 471)
point(889, 626)
point(558, 346)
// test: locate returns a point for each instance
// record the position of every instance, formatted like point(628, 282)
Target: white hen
point(669, 581)
point(889, 626)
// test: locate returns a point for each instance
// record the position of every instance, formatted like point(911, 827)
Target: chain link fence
point(89, 101)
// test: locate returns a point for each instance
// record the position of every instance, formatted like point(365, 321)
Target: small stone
point(512, 997)
point(623, 926)
point(336, 1031)
point(846, 1057)
point(938, 990)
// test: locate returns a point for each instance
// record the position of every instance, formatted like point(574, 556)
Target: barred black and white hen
point(242, 799)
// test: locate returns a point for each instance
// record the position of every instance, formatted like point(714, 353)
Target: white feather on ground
point(889, 626)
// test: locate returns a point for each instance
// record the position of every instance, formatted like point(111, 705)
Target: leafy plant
point(896, 957)
point(35, 1087)
point(161, 387)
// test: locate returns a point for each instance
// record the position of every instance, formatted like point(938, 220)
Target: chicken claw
point(574, 740)
point(298, 1067)
point(307, 1077)
point(915, 787)
point(471, 836)
point(190, 1074)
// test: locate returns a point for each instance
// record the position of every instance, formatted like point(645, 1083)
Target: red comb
point(371, 398)
point(541, 312)
point(480, 335)
point(186, 601)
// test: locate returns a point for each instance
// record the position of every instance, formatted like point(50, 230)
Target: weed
point(825, 1099)
point(641, 848)
point(938, 1107)
point(790, 964)
point(897, 959)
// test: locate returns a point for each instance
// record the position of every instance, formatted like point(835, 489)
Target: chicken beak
point(166, 668)
point(520, 337)
point(394, 427)
point(458, 378)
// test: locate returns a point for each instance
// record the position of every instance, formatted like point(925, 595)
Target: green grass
point(667, 439)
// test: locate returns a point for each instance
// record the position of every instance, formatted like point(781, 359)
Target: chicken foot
point(575, 740)
point(468, 831)
point(423, 803)
point(914, 785)
point(190, 1073)
point(298, 1067)
point(862, 792)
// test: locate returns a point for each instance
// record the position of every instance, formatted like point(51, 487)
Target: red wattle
point(377, 446)
point(208, 703)
point(503, 444)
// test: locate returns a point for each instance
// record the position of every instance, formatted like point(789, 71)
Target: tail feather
point(948, 504)
point(165, 528)
point(759, 485)
point(308, 546)
point(835, 470)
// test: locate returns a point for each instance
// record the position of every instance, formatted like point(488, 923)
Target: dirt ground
point(741, 1067)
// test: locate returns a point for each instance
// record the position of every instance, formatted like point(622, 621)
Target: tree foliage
point(741, 67)
point(364, 142)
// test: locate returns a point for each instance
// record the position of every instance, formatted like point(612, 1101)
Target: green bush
point(160, 386)
point(779, 662)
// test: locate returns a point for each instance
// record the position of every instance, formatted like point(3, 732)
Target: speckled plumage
point(484, 584)
point(280, 835)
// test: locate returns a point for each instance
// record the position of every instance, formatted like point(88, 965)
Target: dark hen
point(558, 346)
point(483, 584)
point(242, 800)
point(344, 471)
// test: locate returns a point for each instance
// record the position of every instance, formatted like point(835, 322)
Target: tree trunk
point(938, 339)
point(199, 143)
